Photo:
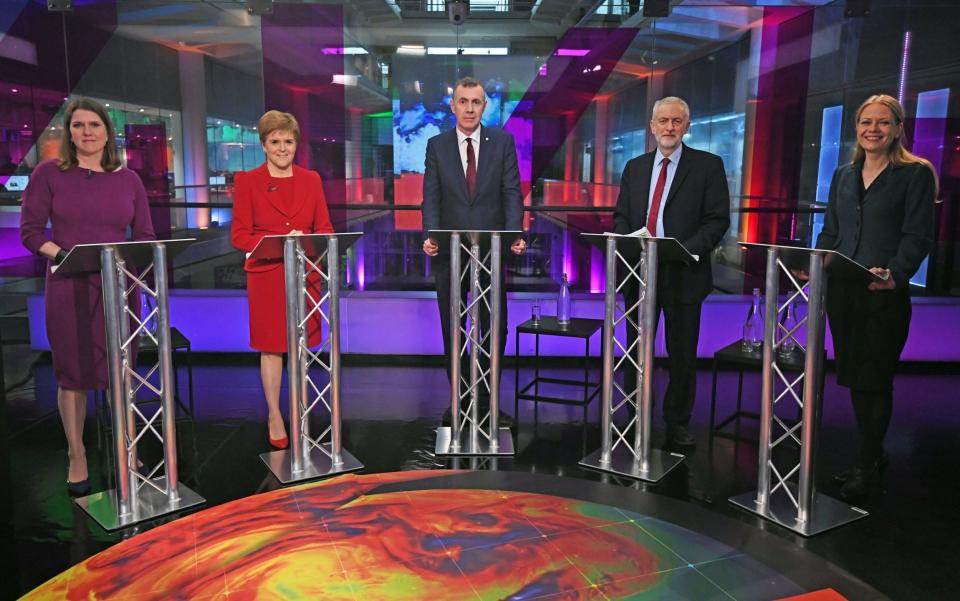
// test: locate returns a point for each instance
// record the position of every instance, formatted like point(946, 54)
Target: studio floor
point(438, 528)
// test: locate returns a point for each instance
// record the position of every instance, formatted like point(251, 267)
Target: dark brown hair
point(68, 152)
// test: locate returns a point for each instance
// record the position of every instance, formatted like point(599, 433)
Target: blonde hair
point(110, 159)
point(272, 121)
point(896, 153)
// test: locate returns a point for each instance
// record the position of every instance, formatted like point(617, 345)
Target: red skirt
point(268, 311)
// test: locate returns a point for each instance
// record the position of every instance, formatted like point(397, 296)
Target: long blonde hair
point(896, 153)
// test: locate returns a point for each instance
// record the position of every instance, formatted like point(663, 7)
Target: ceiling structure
point(225, 31)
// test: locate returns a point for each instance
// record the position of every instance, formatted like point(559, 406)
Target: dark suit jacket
point(696, 213)
point(892, 228)
point(256, 213)
point(497, 205)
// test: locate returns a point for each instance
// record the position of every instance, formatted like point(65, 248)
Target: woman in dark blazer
point(276, 198)
point(880, 213)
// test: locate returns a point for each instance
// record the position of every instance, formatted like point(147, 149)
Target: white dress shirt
point(654, 176)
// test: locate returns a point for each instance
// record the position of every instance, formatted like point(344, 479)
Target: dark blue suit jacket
point(497, 205)
point(891, 227)
point(696, 212)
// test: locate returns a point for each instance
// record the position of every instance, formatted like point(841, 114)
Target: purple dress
point(82, 207)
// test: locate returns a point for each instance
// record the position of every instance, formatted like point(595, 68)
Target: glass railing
point(389, 255)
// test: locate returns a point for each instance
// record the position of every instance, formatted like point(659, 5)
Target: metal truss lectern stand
point(310, 258)
point(619, 453)
point(142, 492)
point(471, 433)
point(786, 492)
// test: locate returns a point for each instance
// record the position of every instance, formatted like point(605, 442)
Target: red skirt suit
point(264, 205)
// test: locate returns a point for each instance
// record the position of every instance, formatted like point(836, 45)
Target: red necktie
point(657, 195)
point(471, 169)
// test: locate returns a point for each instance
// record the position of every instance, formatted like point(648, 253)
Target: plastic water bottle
point(753, 326)
point(146, 306)
point(788, 321)
point(563, 302)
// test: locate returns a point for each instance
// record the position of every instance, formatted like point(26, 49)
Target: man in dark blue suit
point(676, 192)
point(471, 182)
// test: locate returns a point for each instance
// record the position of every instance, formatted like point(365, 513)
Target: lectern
point(786, 492)
point(619, 452)
point(143, 492)
point(470, 432)
point(306, 258)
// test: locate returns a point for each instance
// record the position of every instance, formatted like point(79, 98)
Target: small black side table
point(178, 342)
point(548, 326)
point(733, 357)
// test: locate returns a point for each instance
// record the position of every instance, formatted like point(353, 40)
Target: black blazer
point(696, 213)
point(497, 204)
point(893, 225)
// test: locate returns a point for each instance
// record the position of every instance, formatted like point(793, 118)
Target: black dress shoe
point(859, 482)
point(506, 420)
point(78, 489)
point(879, 465)
point(679, 436)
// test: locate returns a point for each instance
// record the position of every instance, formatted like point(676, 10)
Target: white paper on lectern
point(643, 233)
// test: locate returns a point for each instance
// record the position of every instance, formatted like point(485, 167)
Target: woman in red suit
point(277, 197)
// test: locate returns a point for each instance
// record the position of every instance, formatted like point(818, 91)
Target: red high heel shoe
point(279, 443)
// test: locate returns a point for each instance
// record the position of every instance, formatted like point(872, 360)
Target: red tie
point(657, 195)
point(471, 169)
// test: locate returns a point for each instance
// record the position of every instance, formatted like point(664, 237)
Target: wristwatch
point(61, 255)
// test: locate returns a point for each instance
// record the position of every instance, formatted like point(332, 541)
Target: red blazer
point(255, 215)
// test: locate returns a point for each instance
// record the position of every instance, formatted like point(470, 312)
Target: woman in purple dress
point(88, 198)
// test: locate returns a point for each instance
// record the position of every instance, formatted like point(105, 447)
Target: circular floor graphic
point(428, 535)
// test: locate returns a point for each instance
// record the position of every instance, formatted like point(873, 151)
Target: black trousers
point(681, 323)
point(441, 277)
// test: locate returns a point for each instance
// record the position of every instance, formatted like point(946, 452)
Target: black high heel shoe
point(78, 489)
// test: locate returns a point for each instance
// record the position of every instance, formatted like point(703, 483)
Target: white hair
point(670, 100)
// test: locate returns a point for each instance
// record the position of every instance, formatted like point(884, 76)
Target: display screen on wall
point(423, 89)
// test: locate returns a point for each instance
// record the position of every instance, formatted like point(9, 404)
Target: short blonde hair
point(272, 121)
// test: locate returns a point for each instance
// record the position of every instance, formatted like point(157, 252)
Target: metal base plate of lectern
point(318, 465)
point(827, 513)
point(443, 446)
point(102, 506)
point(623, 463)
